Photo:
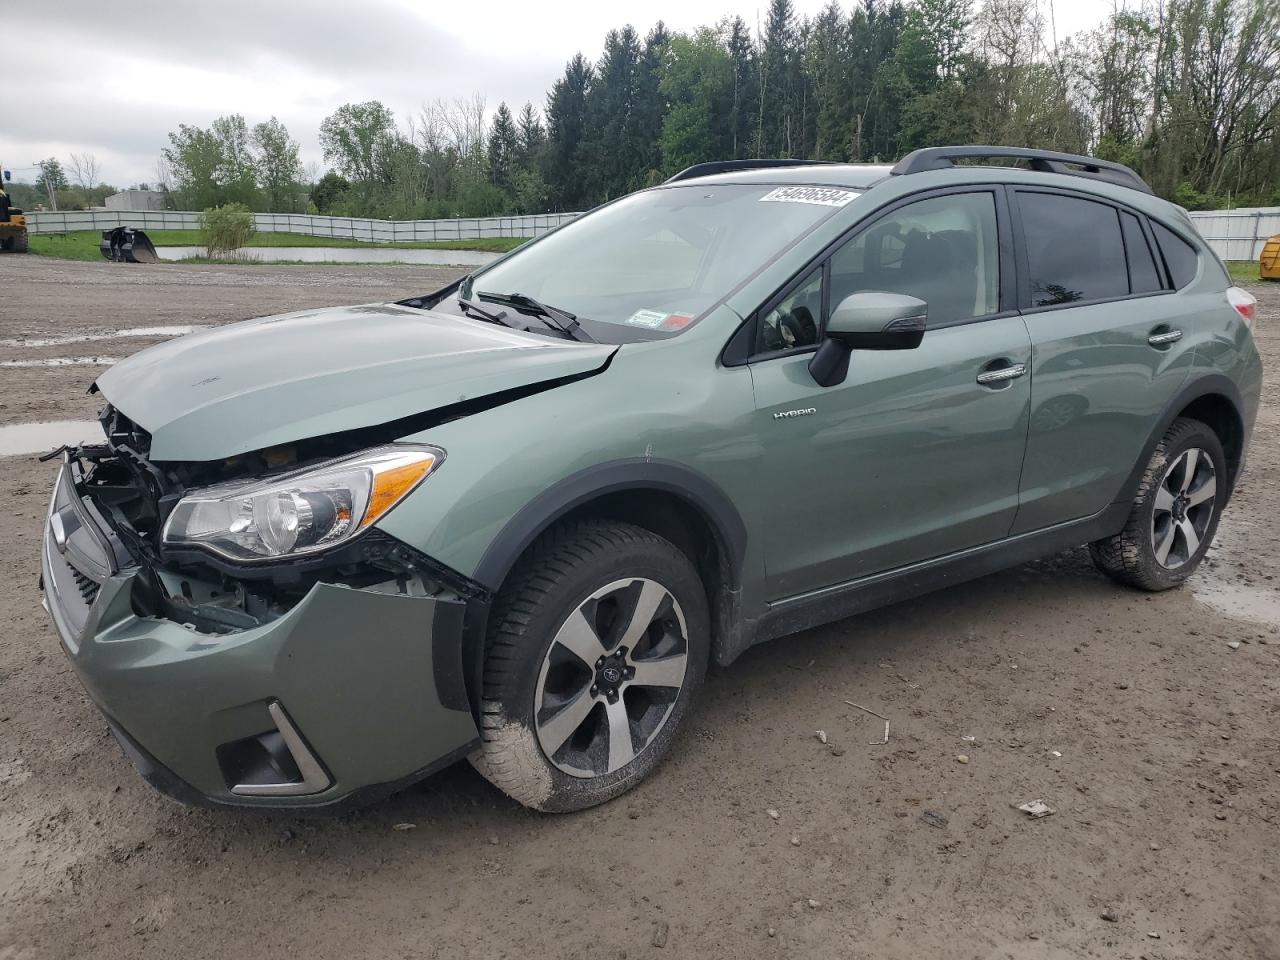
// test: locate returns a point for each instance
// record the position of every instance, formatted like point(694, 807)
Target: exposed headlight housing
point(299, 513)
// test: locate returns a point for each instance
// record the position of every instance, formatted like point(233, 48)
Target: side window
point(1179, 256)
point(1143, 275)
point(796, 320)
point(1074, 250)
point(943, 250)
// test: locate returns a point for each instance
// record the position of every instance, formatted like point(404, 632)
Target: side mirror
point(870, 320)
point(8, 174)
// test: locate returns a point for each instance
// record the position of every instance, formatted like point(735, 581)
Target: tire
point(541, 688)
point(1174, 516)
point(20, 243)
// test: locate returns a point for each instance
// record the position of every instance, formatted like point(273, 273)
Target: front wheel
point(595, 649)
point(1175, 513)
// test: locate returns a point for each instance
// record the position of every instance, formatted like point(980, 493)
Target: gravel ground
point(1166, 789)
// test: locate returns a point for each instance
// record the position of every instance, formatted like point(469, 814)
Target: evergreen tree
point(777, 133)
point(504, 145)
point(566, 127)
point(746, 89)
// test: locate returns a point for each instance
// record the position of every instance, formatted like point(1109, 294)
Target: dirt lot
point(1167, 789)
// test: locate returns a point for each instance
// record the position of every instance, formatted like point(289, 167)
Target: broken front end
point(251, 635)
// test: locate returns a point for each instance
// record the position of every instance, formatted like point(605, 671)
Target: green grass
point(1243, 269)
point(83, 245)
point(73, 246)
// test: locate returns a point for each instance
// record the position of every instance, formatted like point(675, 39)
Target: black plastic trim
point(612, 477)
point(712, 167)
point(1042, 161)
point(819, 607)
point(1213, 384)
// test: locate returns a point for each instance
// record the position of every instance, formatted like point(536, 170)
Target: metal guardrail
point(1233, 234)
point(340, 228)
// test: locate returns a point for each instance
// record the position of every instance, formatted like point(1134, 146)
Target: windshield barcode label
point(825, 196)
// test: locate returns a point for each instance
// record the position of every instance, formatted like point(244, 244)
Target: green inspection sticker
point(647, 318)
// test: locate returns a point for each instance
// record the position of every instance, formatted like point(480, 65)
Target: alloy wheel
point(1184, 505)
point(611, 677)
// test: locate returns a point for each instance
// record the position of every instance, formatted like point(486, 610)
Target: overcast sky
point(115, 78)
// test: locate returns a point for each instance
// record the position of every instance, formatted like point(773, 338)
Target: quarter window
point(943, 250)
point(1143, 275)
point(1074, 250)
point(1179, 256)
point(795, 321)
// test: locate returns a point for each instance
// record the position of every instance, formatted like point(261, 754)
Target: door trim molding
point(828, 604)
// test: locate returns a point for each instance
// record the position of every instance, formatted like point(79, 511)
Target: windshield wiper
point(554, 317)
point(472, 309)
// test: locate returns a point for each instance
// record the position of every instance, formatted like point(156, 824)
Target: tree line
point(1185, 91)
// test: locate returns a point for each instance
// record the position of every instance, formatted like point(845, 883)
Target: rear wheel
point(596, 647)
point(1175, 513)
point(20, 243)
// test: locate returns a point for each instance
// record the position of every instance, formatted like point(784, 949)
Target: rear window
point(1180, 257)
point(1144, 276)
point(1074, 249)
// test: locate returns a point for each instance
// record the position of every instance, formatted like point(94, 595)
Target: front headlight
point(301, 512)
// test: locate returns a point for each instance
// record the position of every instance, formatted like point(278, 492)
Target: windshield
point(654, 262)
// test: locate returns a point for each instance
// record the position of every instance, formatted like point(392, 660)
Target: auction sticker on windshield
point(826, 196)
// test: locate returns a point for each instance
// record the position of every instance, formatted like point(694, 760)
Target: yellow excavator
point(13, 225)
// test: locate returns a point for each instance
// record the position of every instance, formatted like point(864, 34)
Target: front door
point(917, 453)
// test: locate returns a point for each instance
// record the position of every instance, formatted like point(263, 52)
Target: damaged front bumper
point(349, 693)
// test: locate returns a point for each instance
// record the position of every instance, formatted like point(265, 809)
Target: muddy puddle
point(32, 438)
point(1239, 601)
point(135, 332)
point(62, 362)
point(344, 255)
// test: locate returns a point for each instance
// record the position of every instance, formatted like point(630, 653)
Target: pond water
point(462, 258)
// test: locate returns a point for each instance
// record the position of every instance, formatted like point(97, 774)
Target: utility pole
point(48, 187)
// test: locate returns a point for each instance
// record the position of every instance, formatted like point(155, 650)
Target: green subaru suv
point(316, 557)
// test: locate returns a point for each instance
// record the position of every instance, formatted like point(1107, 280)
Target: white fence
point(1233, 234)
point(1238, 234)
point(342, 228)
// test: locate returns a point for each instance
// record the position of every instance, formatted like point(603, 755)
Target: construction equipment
point(13, 225)
point(1269, 259)
point(127, 245)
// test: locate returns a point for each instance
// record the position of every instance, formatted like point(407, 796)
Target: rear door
point(1108, 351)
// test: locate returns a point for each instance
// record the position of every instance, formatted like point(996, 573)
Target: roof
point(855, 176)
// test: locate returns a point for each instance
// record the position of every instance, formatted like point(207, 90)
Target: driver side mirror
point(870, 320)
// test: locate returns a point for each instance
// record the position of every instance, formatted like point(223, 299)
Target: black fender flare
point(1213, 384)
point(562, 497)
point(614, 477)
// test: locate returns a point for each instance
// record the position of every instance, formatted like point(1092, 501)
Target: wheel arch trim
point(617, 476)
point(1210, 385)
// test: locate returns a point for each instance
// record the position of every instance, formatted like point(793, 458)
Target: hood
point(251, 385)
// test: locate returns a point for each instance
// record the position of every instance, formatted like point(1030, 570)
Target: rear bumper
point(370, 683)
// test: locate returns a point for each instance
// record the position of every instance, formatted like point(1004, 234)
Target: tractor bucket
point(127, 245)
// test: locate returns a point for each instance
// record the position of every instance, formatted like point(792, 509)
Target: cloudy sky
point(115, 78)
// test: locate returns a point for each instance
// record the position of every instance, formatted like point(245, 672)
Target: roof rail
point(731, 166)
point(1043, 161)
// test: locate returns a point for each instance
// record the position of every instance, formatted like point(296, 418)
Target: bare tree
point(86, 172)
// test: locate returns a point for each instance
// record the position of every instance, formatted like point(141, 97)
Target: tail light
point(1245, 304)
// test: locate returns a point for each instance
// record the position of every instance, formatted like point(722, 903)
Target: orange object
point(1269, 261)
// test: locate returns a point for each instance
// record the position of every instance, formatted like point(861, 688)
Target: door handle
point(991, 378)
point(1164, 338)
